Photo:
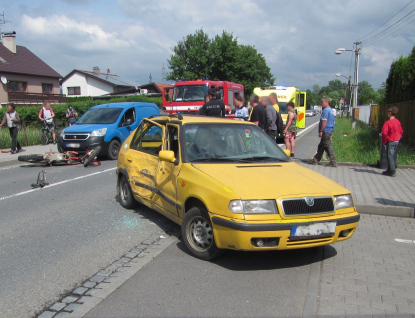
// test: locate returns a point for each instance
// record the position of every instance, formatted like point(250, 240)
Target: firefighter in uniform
point(214, 107)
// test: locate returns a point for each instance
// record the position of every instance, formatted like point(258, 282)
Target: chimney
point(96, 70)
point(9, 41)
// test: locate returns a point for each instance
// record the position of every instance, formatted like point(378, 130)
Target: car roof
point(193, 119)
point(124, 105)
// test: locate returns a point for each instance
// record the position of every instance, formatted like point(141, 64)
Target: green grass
point(32, 134)
point(363, 144)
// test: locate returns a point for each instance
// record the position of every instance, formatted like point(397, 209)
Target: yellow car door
point(167, 174)
point(143, 161)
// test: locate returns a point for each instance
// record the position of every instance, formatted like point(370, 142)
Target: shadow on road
point(384, 201)
point(269, 260)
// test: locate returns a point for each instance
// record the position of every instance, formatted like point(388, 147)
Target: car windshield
point(100, 116)
point(187, 93)
point(230, 143)
point(283, 108)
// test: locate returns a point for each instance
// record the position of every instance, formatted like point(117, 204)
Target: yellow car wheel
point(197, 233)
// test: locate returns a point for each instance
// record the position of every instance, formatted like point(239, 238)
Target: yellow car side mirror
point(287, 152)
point(167, 155)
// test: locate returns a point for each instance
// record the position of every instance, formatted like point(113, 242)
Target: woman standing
point(11, 117)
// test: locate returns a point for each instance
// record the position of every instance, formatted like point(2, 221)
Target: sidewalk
point(7, 159)
point(373, 192)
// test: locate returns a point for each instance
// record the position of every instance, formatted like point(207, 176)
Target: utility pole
point(150, 78)
point(356, 80)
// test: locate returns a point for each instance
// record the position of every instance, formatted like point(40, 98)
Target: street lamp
point(348, 93)
point(356, 51)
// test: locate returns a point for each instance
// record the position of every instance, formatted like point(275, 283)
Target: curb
point(387, 210)
point(313, 291)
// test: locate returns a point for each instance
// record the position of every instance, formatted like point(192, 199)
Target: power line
point(376, 41)
point(361, 39)
point(392, 27)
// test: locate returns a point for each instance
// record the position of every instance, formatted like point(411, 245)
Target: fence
point(406, 116)
point(363, 113)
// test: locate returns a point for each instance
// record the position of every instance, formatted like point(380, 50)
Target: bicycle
point(44, 133)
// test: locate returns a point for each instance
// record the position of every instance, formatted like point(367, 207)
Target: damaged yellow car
point(230, 186)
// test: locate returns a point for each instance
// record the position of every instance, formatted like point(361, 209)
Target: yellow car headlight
point(253, 206)
point(344, 201)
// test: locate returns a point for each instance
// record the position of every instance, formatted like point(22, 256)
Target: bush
point(29, 114)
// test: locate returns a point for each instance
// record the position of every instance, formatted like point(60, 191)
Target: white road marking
point(404, 241)
point(56, 184)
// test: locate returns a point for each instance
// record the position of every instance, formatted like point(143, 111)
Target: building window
point(17, 86)
point(76, 90)
point(47, 88)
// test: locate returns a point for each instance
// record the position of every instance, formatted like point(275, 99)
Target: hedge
point(29, 114)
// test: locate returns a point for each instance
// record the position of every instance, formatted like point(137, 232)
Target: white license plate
point(73, 145)
point(315, 229)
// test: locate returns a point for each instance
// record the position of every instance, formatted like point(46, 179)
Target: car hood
point(87, 128)
point(271, 181)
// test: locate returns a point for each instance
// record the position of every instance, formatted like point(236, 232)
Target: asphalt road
point(53, 239)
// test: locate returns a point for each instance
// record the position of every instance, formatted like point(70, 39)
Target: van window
point(129, 114)
point(100, 116)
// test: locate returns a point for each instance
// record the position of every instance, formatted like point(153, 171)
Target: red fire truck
point(188, 96)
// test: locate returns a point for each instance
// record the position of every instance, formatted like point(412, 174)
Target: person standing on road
point(325, 132)
point(214, 107)
point(274, 101)
point(270, 117)
point(46, 115)
point(11, 117)
point(290, 129)
point(71, 114)
point(391, 135)
point(241, 111)
point(258, 112)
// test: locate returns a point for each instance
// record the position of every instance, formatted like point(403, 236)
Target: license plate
point(73, 145)
point(313, 230)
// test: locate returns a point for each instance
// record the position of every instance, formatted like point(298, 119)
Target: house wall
point(34, 84)
point(89, 86)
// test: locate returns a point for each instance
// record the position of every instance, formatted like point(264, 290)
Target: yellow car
point(230, 186)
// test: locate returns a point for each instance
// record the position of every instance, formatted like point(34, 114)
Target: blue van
point(105, 125)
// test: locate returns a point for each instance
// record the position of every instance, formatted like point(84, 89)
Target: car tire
point(197, 234)
point(126, 195)
point(113, 150)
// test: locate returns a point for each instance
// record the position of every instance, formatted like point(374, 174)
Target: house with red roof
point(25, 78)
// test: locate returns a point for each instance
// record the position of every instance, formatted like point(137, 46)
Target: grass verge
point(32, 135)
point(363, 144)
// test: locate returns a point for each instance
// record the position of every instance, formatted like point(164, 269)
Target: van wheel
point(126, 195)
point(113, 150)
point(197, 234)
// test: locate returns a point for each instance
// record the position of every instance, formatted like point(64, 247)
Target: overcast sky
point(134, 37)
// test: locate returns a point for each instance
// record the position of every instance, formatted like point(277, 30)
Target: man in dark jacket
point(270, 117)
point(214, 107)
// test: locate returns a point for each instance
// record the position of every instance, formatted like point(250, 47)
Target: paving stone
point(69, 299)
point(122, 269)
point(124, 260)
point(131, 255)
point(62, 315)
point(101, 285)
point(47, 314)
point(139, 249)
point(112, 267)
point(105, 273)
point(84, 299)
point(97, 278)
point(109, 279)
point(89, 284)
point(57, 306)
point(72, 307)
point(80, 291)
point(92, 292)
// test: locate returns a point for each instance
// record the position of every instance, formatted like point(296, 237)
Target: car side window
point(173, 140)
point(149, 140)
point(128, 118)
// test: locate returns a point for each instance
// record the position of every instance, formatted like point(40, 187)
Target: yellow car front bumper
point(238, 235)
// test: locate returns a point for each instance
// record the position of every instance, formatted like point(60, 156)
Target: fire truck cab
point(189, 96)
point(285, 95)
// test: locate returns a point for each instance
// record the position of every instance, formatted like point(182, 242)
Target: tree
point(366, 93)
point(220, 58)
